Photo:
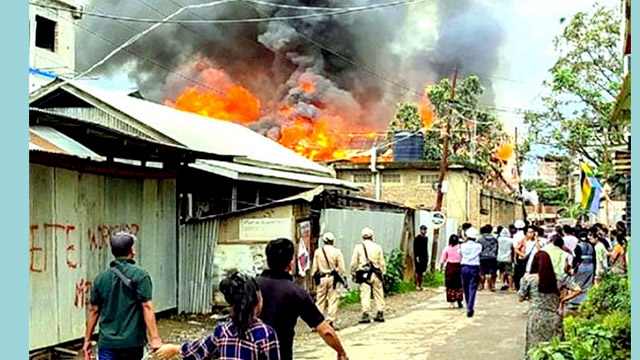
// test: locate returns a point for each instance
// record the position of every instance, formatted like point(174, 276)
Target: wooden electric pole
point(524, 209)
point(443, 170)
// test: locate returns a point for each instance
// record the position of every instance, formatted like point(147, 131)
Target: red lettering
point(81, 294)
point(34, 250)
point(70, 247)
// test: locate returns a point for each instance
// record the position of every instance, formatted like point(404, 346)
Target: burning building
point(306, 83)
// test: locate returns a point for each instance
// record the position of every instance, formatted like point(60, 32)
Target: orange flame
point(220, 99)
point(504, 152)
point(323, 138)
point(317, 140)
point(427, 115)
point(308, 87)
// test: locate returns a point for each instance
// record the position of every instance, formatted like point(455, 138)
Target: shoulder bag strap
point(327, 259)
point(365, 253)
point(125, 280)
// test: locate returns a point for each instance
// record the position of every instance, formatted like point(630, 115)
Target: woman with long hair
point(545, 312)
point(453, 273)
point(243, 337)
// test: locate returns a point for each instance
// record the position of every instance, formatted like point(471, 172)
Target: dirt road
point(433, 331)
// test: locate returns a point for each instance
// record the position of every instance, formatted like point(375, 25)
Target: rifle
point(337, 278)
point(364, 275)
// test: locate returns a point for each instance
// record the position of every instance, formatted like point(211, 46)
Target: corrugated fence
point(196, 271)
point(347, 224)
point(72, 216)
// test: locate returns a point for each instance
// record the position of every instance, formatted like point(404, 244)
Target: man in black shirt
point(420, 256)
point(284, 301)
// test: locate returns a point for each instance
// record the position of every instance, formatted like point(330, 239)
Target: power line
point(233, 21)
point(169, 71)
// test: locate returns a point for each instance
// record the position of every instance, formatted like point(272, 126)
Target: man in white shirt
point(570, 241)
point(532, 247)
point(470, 252)
point(518, 262)
point(519, 235)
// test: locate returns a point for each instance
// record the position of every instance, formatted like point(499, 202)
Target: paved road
point(433, 331)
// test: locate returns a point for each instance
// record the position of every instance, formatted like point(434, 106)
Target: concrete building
point(52, 36)
point(467, 199)
point(548, 170)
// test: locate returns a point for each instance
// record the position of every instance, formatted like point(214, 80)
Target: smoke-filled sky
point(508, 43)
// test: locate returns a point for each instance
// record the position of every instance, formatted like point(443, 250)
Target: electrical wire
point(153, 62)
point(329, 12)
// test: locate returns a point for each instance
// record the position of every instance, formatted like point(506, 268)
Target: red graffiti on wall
point(41, 236)
point(69, 246)
point(36, 252)
point(99, 238)
point(81, 295)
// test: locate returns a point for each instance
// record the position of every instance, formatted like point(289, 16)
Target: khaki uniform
point(327, 295)
point(358, 261)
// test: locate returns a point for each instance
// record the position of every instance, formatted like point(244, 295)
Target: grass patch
point(433, 279)
point(405, 287)
point(352, 297)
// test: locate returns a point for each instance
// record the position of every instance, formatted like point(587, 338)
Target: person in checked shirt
point(243, 337)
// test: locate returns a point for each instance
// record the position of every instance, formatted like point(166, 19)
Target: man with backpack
point(367, 269)
point(121, 302)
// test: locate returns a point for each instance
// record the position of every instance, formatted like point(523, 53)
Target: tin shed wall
point(72, 216)
point(347, 224)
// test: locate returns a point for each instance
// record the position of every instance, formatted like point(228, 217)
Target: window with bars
point(362, 178)
point(429, 179)
point(391, 178)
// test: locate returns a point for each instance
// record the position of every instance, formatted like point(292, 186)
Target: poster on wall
point(304, 246)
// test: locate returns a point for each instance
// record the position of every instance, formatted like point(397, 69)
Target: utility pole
point(524, 209)
point(443, 170)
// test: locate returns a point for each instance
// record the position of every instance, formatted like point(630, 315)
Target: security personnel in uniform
point(368, 259)
point(326, 260)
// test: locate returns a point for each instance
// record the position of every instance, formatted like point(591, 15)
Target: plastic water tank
point(408, 147)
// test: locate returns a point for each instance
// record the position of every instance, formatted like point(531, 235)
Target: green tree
point(464, 114)
point(585, 81)
point(549, 195)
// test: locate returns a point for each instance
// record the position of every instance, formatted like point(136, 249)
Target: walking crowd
point(552, 270)
point(264, 310)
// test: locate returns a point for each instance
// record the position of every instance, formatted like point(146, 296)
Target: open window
point(45, 33)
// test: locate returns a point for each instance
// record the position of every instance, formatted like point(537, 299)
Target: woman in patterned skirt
point(452, 275)
point(545, 313)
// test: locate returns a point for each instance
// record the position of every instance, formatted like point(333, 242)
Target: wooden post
point(443, 172)
point(524, 209)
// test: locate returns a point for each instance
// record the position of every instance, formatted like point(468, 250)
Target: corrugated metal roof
point(48, 139)
point(202, 133)
point(253, 173)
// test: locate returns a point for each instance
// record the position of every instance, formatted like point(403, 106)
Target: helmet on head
point(328, 237)
point(367, 233)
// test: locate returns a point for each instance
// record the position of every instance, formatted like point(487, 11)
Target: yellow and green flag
point(591, 189)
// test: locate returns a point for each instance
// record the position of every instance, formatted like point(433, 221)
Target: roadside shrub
point(393, 279)
point(433, 279)
point(612, 294)
point(601, 330)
